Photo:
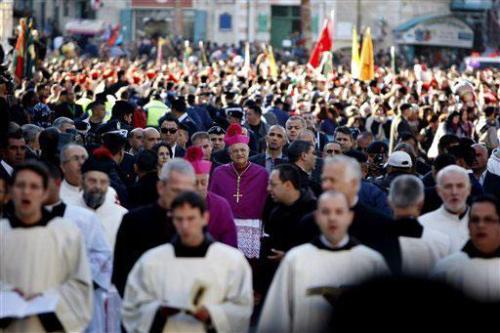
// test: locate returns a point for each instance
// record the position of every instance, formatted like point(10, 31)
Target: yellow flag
point(367, 67)
point(355, 55)
point(273, 69)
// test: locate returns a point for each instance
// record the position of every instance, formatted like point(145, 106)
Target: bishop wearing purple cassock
point(221, 222)
point(243, 184)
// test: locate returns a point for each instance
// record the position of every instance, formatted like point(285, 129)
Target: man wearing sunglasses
point(169, 128)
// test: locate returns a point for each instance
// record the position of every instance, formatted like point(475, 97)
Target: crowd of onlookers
point(414, 155)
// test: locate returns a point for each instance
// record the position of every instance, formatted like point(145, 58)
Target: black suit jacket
point(260, 159)
point(141, 229)
point(179, 151)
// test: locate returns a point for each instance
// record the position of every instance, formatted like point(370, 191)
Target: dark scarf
point(408, 227)
point(474, 252)
point(199, 251)
point(321, 246)
point(17, 223)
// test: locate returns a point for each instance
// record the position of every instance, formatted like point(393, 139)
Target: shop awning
point(435, 30)
point(85, 27)
point(471, 5)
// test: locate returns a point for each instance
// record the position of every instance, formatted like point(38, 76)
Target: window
point(225, 22)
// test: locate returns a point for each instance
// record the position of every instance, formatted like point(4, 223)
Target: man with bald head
point(453, 187)
point(275, 141)
point(332, 260)
point(369, 226)
point(151, 137)
point(331, 149)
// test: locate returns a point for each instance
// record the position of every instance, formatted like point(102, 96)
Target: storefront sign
point(439, 31)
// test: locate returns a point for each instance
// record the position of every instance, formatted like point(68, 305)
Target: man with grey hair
point(31, 133)
point(63, 124)
point(149, 226)
point(369, 226)
point(453, 187)
point(421, 247)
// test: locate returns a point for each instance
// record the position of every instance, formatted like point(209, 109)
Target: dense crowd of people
point(179, 195)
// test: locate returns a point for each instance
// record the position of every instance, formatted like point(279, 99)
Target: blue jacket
point(371, 195)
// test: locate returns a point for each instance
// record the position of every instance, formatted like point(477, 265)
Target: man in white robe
point(72, 158)
point(421, 247)
point(95, 186)
point(42, 259)
point(453, 187)
point(99, 253)
point(295, 302)
point(191, 285)
point(476, 268)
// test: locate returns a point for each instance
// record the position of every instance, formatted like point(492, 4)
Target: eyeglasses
point(331, 151)
point(165, 130)
point(276, 134)
point(293, 127)
point(486, 220)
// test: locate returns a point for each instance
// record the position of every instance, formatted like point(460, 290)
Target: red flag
point(324, 44)
point(115, 33)
point(20, 50)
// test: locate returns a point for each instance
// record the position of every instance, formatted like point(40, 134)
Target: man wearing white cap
point(399, 163)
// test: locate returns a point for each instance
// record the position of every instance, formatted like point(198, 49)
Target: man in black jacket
point(143, 192)
point(151, 225)
point(281, 223)
point(275, 141)
point(302, 155)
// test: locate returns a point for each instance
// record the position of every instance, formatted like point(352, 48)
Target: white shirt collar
point(268, 156)
point(355, 201)
point(50, 207)
point(181, 118)
point(173, 150)
point(7, 167)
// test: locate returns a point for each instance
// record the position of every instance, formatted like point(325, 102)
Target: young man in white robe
point(421, 247)
point(99, 253)
point(295, 302)
point(453, 187)
point(43, 259)
point(191, 285)
point(95, 188)
point(476, 268)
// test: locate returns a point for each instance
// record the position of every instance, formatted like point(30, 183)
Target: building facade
point(271, 21)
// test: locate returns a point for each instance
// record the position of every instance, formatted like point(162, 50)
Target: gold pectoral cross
point(238, 195)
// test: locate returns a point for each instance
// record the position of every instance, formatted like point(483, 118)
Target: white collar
point(268, 156)
point(355, 201)
point(452, 215)
point(327, 243)
point(173, 150)
point(7, 168)
point(50, 207)
point(71, 187)
point(181, 118)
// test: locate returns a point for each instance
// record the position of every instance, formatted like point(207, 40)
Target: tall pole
point(358, 15)
point(305, 15)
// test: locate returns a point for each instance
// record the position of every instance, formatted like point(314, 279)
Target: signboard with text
point(448, 32)
point(162, 3)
